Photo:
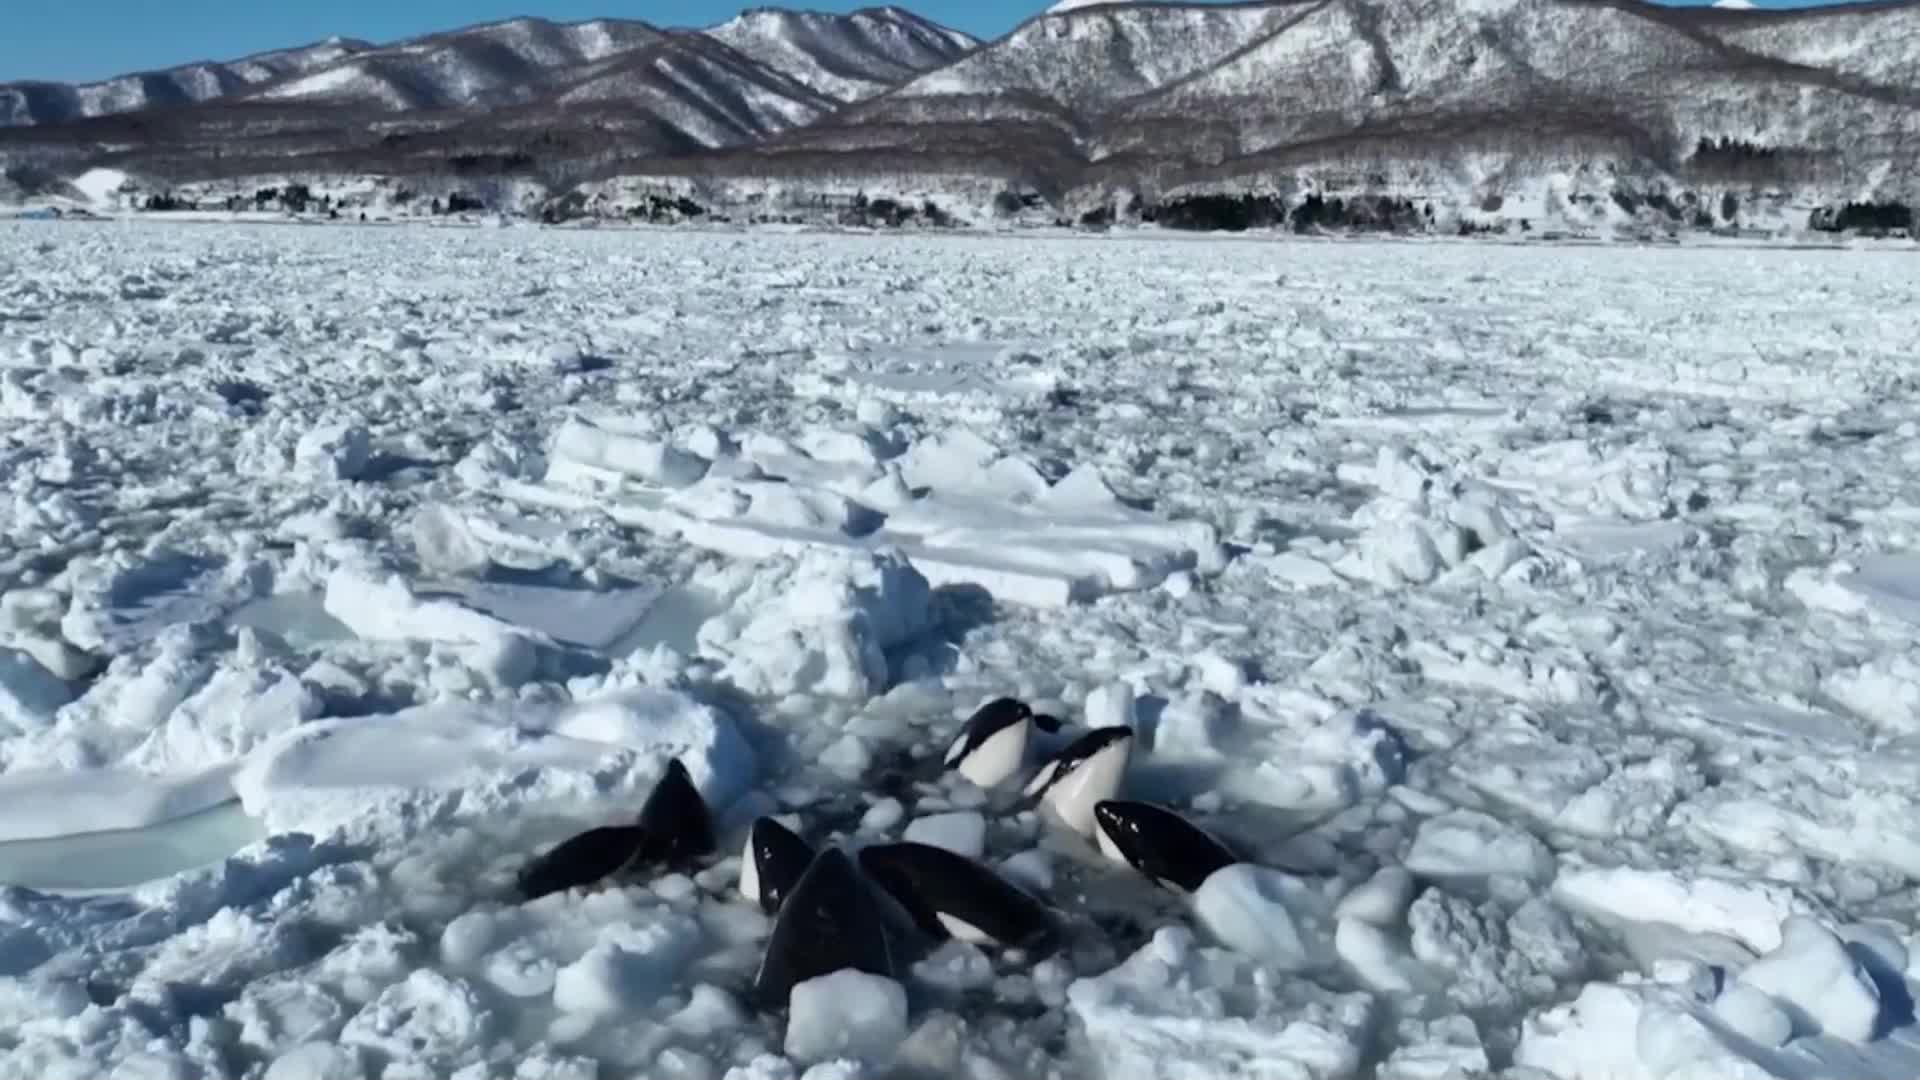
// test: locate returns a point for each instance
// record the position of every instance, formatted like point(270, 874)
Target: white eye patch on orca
point(1086, 773)
point(1078, 753)
point(992, 745)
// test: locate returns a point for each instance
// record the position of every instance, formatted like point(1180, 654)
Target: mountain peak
point(1064, 6)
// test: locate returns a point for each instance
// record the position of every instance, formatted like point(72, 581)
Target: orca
point(774, 860)
point(992, 744)
point(951, 896)
point(582, 860)
point(830, 922)
point(674, 830)
point(1159, 843)
point(679, 829)
point(1087, 772)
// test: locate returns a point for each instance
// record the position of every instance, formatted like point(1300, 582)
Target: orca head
point(830, 921)
point(1087, 772)
point(949, 895)
point(1159, 843)
point(582, 860)
point(678, 825)
point(992, 744)
point(774, 860)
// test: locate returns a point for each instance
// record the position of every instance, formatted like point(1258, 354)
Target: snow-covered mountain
point(497, 64)
point(1086, 105)
point(849, 58)
point(807, 55)
point(49, 103)
point(1395, 95)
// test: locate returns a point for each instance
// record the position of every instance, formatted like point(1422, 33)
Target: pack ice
point(1483, 660)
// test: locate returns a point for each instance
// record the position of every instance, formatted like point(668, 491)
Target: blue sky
point(69, 40)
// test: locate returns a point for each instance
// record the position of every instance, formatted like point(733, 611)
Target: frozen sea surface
point(1538, 623)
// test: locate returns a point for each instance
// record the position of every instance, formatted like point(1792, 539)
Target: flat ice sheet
point(41, 803)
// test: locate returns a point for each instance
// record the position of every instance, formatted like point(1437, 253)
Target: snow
point(848, 1014)
point(1535, 623)
point(336, 773)
point(98, 186)
point(29, 693)
point(42, 803)
point(1469, 843)
point(963, 833)
point(1186, 1012)
point(1812, 978)
point(1276, 917)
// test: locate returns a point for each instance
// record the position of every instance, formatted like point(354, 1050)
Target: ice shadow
point(165, 575)
point(1896, 996)
point(1172, 782)
point(244, 395)
point(1147, 711)
point(958, 611)
point(961, 609)
point(386, 468)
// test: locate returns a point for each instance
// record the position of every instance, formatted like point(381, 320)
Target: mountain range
point(1088, 110)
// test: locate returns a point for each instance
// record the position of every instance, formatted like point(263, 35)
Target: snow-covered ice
point(1535, 623)
point(847, 1014)
point(964, 832)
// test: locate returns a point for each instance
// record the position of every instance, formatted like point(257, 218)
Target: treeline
point(300, 199)
point(1205, 212)
point(1240, 213)
point(1872, 219)
point(857, 211)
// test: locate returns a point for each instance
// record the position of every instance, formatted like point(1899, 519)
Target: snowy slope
point(1096, 57)
point(705, 90)
point(1279, 94)
point(497, 64)
point(1349, 64)
point(1878, 46)
point(48, 103)
point(847, 57)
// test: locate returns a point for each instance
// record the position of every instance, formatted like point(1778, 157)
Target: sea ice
point(29, 693)
point(1574, 638)
point(1271, 916)
point(1812, 977)
point(1470, 843)
point(848, 1014)
point(964, 833)
point(334, 451)
point(1181, 1012)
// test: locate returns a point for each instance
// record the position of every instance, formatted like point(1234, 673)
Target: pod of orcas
point(832, 910)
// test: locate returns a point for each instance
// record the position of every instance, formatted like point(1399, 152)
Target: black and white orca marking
point(1159, 843)
point(950, 895)
point(674, 829)
point(831, 921)
point(582, 860)
point(772, 864)
point(1087, 772)
point(992, 744)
